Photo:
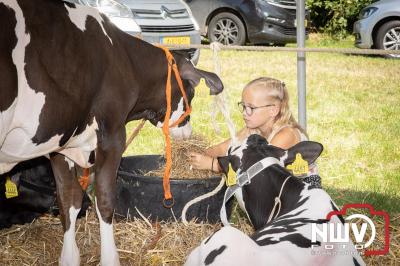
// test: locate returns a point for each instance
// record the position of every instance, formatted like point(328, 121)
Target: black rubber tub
point(146, 192)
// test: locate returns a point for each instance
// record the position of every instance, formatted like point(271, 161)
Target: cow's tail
point(200, 198)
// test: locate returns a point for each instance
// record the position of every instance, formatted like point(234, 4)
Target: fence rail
point(292, 49)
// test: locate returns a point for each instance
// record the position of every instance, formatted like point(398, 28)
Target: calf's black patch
point(213, 254)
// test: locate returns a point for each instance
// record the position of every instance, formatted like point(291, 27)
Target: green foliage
point(335, 17)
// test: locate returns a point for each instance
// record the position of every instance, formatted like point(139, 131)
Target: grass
point(353, 109)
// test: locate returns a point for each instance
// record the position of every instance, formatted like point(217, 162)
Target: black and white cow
point(287, 238)
point(69, 82)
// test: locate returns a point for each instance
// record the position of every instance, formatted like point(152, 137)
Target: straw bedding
point(180, 159)
point(139, 242)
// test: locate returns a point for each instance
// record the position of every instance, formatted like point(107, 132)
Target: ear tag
point(299, 167)
point(231, 179)
point(11, 189)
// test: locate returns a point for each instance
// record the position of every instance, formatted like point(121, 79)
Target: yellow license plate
point(176, 40)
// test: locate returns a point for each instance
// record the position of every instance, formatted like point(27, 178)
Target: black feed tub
point(146, 192)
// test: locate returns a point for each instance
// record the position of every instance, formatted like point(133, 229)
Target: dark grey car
point(235, 22)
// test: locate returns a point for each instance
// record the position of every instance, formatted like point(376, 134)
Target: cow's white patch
point(70, 251)
point(283, 159)
point(69, 162)
point(109, 255)
point(16, 142)
point(79, 147)
point(79, 14)
point(181, 133)
point(175, 114)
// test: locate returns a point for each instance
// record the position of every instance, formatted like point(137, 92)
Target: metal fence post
point(301, 63)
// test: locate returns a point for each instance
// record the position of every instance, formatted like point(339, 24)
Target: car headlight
point(111, 8)
point(366, 12)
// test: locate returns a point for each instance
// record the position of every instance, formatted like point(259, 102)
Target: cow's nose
point(181, 133)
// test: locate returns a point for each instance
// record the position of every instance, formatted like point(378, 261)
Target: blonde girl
point(265, 110)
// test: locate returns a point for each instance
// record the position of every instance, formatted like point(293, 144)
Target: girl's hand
point(200, 161)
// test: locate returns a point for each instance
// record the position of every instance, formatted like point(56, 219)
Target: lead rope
point(277, 202)
point(166, 126)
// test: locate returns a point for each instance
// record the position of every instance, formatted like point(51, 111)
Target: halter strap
point(244, 179)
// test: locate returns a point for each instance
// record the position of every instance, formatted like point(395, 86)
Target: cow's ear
point(224, 164)
point(193, 76)
point(309, 151)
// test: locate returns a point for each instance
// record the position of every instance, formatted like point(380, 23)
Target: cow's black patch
point(213, 254)
point(70, 5)
point(70, 67)
point(92, 157)
point(336, 209)
point(8, 70)
point(284, 226)
point(355, 262)
point(296, 239)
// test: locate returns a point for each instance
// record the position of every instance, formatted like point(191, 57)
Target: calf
point(35, 193)
point(70, 81)
point(286, 238)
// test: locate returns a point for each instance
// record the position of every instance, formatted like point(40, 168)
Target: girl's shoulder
point(286, 137)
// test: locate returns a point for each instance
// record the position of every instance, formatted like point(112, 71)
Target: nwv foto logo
point(339, 234)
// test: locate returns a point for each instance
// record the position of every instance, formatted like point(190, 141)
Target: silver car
point(379, 26)
point(166, 22)
point(155, 21)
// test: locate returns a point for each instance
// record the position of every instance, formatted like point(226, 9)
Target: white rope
point(200, 198)
point(277, 202)
point(219, 102)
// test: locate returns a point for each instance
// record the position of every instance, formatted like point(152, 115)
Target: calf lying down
point(287, 238)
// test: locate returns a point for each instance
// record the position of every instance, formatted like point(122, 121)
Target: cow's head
point(191, 77)
point(256, 148)
point(258, 197)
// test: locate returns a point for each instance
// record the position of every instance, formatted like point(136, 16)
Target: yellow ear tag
point(299, 167)
point(231, 179)
point(11, 189)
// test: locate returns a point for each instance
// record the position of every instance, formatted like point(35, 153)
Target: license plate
point(175, 40)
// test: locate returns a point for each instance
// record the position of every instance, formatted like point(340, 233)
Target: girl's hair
point(276, 90)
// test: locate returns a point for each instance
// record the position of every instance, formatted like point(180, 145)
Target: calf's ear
point(309, 151)
point(193, 75)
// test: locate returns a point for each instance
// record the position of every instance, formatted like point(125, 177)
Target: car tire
point(227, 28)
point(388, 38)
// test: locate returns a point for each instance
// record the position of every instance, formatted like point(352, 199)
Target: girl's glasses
point(250, 109)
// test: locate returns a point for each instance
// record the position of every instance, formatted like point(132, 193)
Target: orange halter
point(166, 126)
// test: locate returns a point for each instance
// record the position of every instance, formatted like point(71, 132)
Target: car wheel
point(226, 28)
point(388, 37)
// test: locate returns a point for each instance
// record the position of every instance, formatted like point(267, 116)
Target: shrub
point(335, 17)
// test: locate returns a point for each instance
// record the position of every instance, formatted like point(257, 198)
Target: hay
point(180, 159)
point(139, 242)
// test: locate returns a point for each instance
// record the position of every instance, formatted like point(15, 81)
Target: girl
point(265, 109)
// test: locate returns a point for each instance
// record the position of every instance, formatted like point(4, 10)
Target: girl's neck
point(266, 129)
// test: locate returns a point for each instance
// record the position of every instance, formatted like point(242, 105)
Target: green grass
point(353, 109)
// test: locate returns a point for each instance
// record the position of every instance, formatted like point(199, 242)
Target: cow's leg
point(108, 157)
point(69, 198)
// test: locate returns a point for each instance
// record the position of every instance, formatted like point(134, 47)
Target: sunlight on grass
point(353, 110)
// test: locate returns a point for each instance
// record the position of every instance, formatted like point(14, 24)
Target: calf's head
point(259, 195)
point(191, 77)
